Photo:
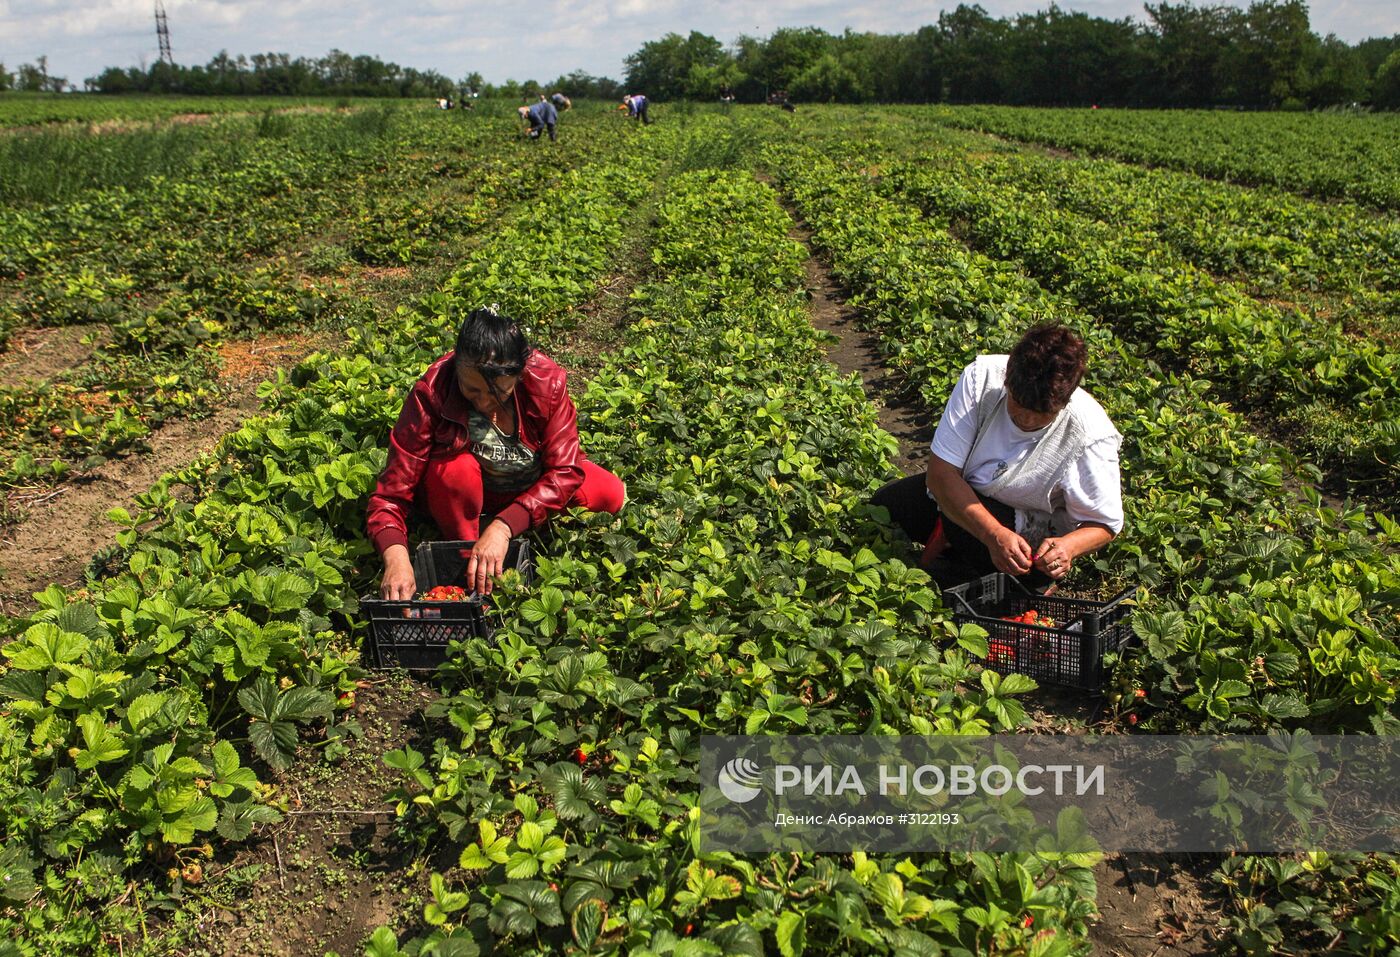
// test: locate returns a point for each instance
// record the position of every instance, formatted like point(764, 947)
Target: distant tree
point(751, 66)
point(114, 80)
point(972, 46)
point(6, 78)
point(1189, 50)
point(1373, 52)
point(1335, 73)
point(1385, 88)
point(34, 78)
point(829, 79)
point(791, 52)
point(1059, 58)
point(1269, 60)
point(664, 68)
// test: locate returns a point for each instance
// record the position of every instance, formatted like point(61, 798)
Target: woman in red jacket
point(488, 430)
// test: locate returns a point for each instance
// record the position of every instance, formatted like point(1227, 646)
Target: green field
point(90, 109)
point(194, 756)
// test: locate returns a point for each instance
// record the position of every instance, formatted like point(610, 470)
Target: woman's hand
point(398, 583)
point(488, 559)
point(1010, 552)
point(1055, 557)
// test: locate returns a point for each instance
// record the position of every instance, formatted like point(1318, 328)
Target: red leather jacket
point(433, 426)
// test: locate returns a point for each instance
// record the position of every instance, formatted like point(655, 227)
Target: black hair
point(1045, 367)
point(493, 343)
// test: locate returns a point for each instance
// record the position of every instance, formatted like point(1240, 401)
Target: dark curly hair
point(493, 343)
point(1046, 367)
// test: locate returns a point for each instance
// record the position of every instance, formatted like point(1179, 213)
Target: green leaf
point(792, 933)
point(201, 815)
point(101, 744)
point(586, 922)
point(574, 793)
point(383, 943)
point(523, 906)
point(236, 820)
point(143, 709)
point(44, 645)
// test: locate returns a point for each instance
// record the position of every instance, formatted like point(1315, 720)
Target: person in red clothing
point(488, 430)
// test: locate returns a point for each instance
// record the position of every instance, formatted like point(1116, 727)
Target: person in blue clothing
point(541, 117)
point(636, 104)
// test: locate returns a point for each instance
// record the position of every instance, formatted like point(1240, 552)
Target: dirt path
point(333, 869)
point(64, 526)
point(858, 351)
point(37, 355)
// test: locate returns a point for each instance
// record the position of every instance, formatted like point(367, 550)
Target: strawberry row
point(1333, 394)
point(745, 588)
point(146, 710)
point(1269, 611)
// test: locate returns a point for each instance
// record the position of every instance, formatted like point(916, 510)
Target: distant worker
point(636, 104)
point(561, 102)
point(542, 116)
point(726, 95)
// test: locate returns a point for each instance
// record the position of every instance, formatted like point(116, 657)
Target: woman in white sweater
point(1022, 472)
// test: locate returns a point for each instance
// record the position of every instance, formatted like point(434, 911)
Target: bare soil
point(64, 526)
point(857, 351)
point(1155, 905)
point(334, 868)
point(256, 359)
point(37, 355)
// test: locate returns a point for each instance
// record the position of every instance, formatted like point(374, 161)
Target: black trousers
point(966, 558)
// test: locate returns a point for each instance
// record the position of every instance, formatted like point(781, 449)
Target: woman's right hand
point(398, 583)
point(1010, 552)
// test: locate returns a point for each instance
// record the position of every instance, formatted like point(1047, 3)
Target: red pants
point(453, 492)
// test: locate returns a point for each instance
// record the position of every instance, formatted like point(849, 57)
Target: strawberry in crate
point(445, 593)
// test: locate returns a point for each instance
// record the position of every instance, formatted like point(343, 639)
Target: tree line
point(1180, 55)
point(277, 74)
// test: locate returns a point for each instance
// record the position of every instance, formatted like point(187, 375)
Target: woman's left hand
point(1054, 558)
point(488, 559)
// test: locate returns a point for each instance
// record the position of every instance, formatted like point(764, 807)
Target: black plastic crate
point(415, 634)
point(1071, 653)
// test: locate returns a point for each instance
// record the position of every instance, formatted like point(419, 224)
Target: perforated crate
point(1070, 653)
point(415, 634)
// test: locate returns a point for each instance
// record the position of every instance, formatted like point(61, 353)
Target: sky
point(528, 39)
